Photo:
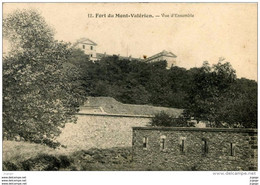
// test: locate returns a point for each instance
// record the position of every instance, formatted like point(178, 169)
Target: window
point(91, 55)
point(182, 144)
point(145, 143)
point(162, 142)
point(232, 149)
point(205, 149)
point(83, 46)
point(91, 47)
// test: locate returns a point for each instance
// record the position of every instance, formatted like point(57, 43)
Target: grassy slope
point(20, 154)
point(27, 156)
point(19, 151)
point(110, 105)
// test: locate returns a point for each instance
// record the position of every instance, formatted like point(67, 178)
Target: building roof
point(101, 55)
point(163, 53)
point(109, 105)
point(85, 41)
point(239, 130)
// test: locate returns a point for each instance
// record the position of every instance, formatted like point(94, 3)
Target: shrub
point(166, 120)
point(45, 162)
point(9, 166)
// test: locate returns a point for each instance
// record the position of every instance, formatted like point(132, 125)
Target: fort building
point(164, 55)
point(203, 149)
point(89, 48)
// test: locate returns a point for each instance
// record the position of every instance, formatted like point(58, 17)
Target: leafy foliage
point(40, 93)
point(208, 93)
point(239, 104)
point(135, 82)
point(27, 31)
point(218, 97)
point(165, 120)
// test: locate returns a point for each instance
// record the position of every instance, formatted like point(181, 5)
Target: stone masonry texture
point(100, 131)
point(202, 149)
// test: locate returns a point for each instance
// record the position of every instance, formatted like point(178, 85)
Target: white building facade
point(88, 46)
point(164, 55)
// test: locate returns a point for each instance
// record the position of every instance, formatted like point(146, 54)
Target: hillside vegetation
point(22, 156)
point(207, 93)
point(112, 159)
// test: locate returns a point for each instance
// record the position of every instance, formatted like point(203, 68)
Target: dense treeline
point(209, 93)
point(133, 81)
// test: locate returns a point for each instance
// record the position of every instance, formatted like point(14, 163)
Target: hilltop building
point(89, 47)
point(164, 55)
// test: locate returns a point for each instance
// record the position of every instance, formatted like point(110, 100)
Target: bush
point(45, 162)
point(9, 166)
point(166, 120)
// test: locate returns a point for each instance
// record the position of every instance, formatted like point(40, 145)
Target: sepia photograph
point(129, 87)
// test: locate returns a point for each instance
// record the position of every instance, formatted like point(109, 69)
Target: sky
point(215, 30)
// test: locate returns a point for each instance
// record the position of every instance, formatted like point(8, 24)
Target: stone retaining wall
point(101, 131)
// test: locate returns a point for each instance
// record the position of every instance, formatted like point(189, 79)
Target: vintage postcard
point(129, 87)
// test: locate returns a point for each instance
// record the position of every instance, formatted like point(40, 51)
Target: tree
point(39, 96)
point(28, 32)
point(218, 97)
point(208, 86)
point(239, 104)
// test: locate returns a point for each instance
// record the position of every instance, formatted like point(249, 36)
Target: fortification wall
point(196, 148)
point(101, 131)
